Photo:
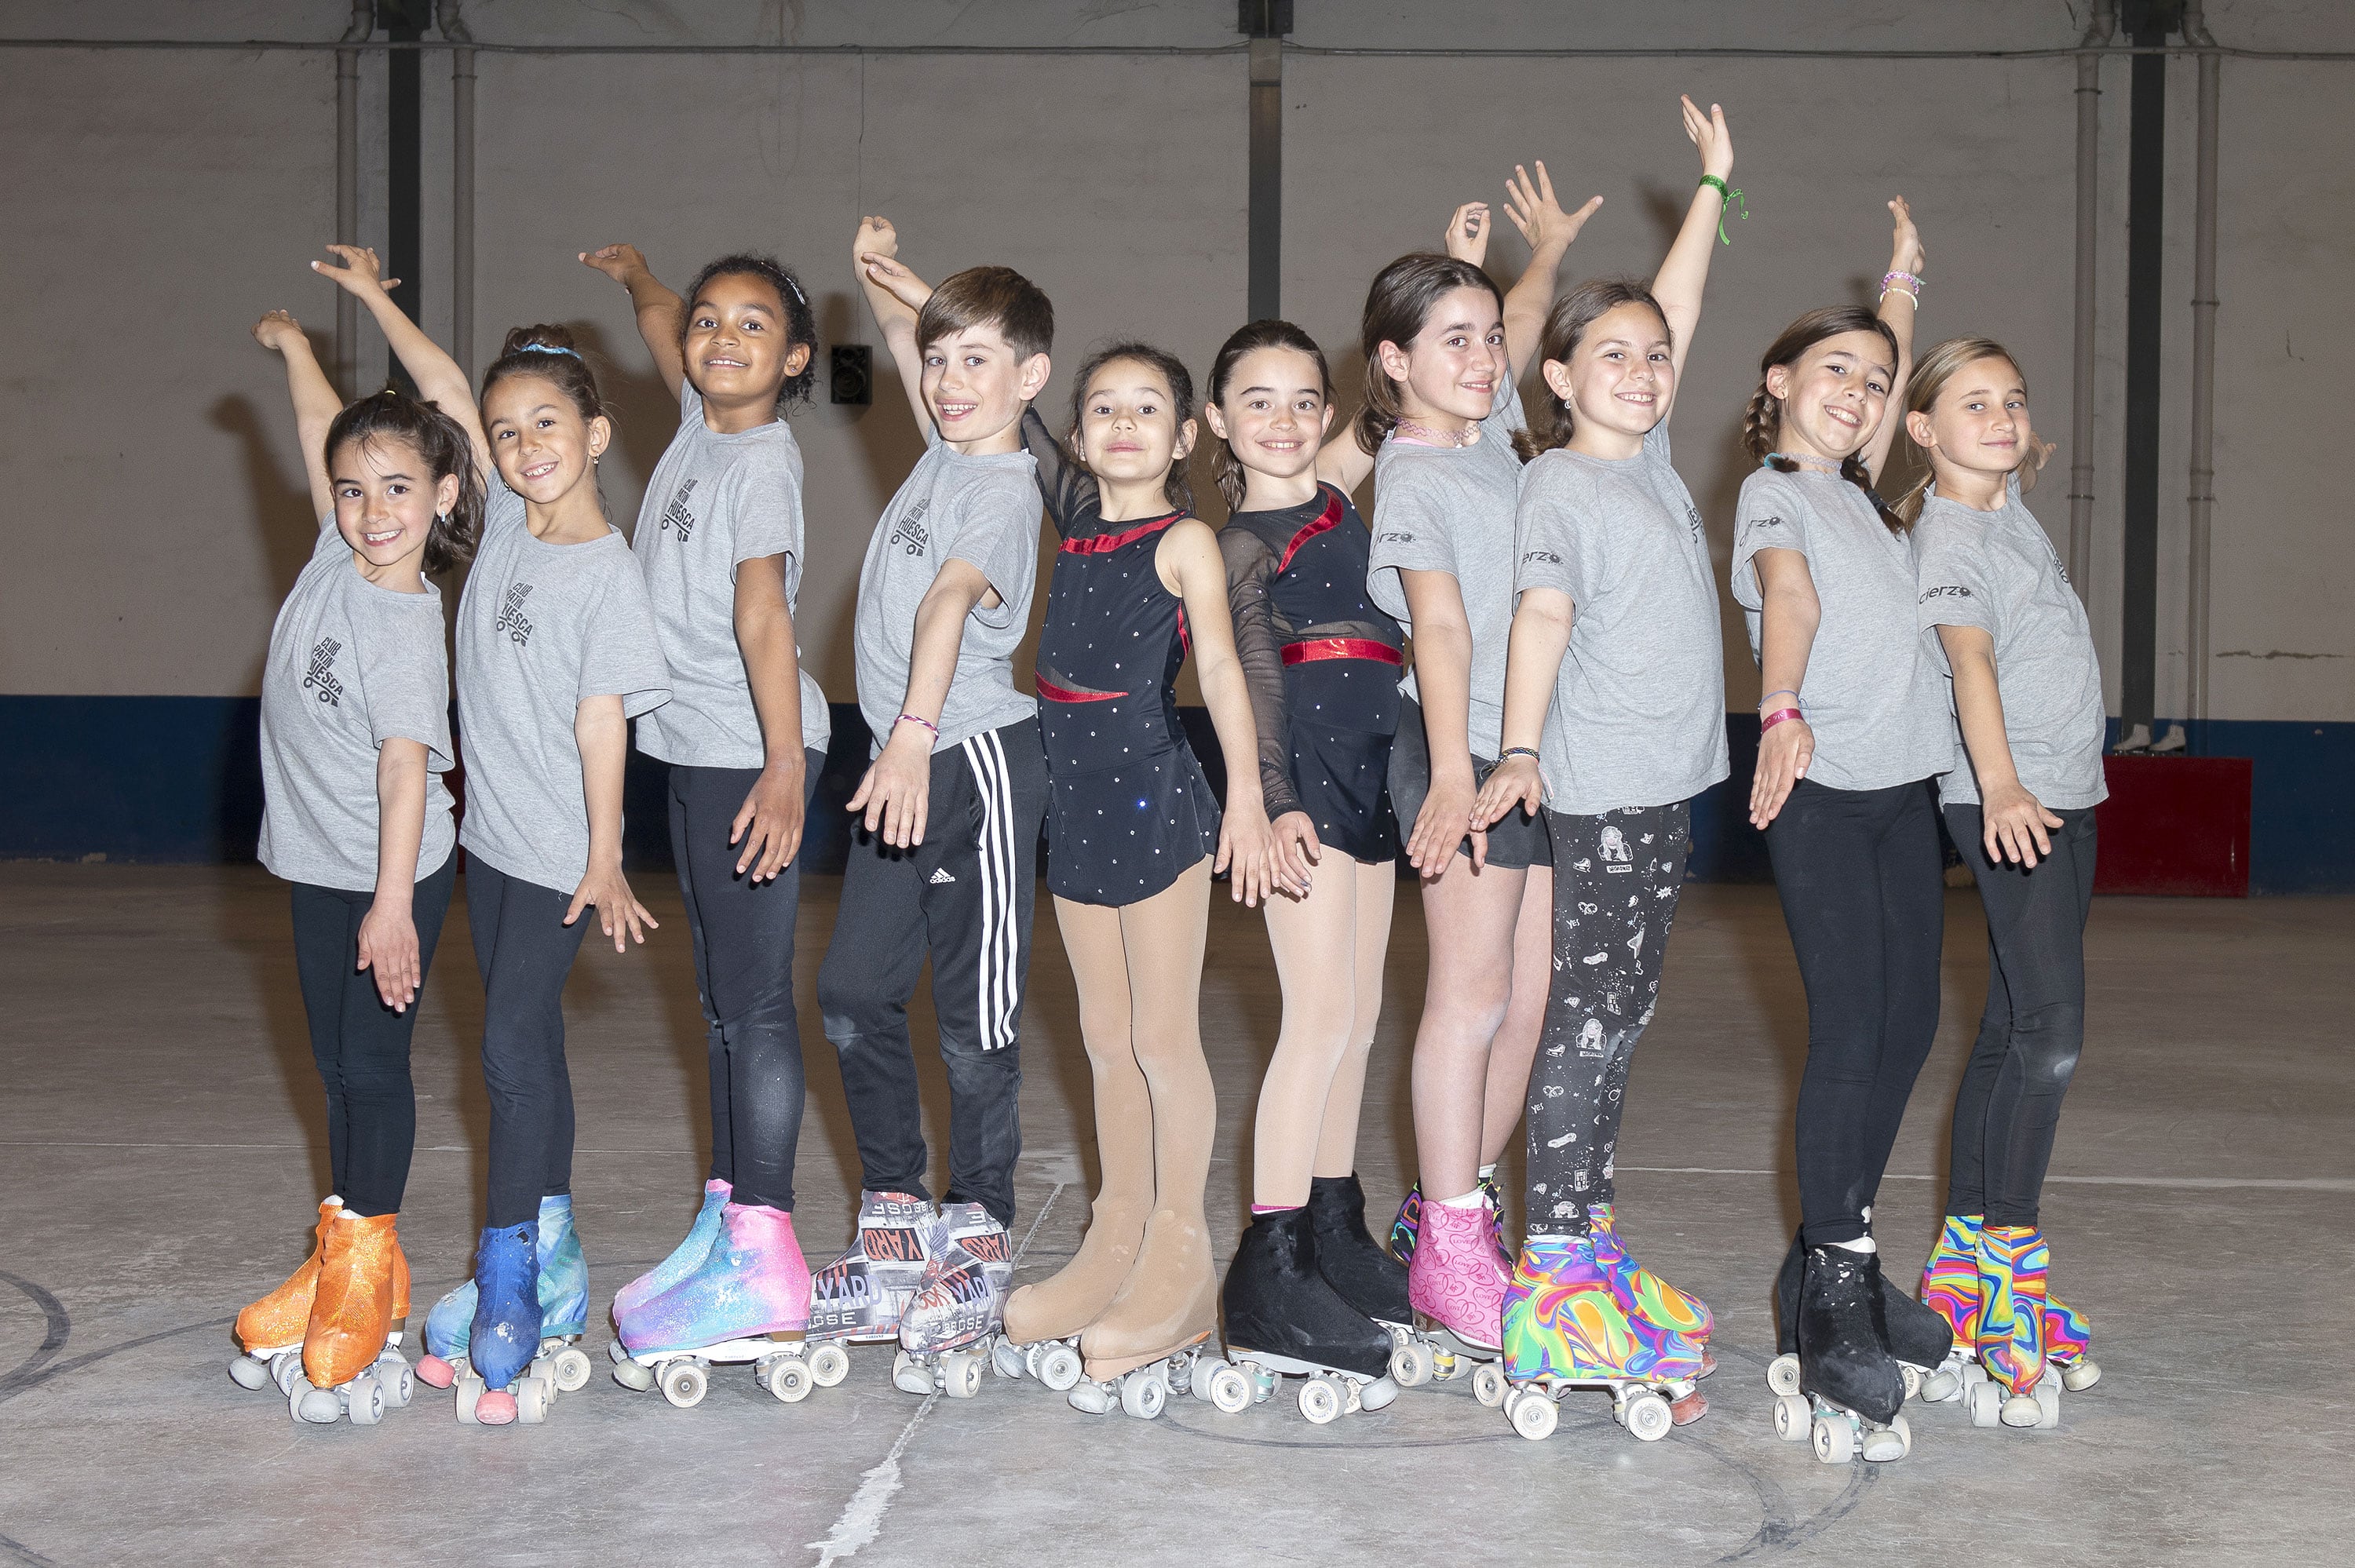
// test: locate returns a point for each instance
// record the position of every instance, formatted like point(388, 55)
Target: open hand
point(618, 909)
point(1513, 782)
point(1905, 247)
point(1537, 215)
point(2013, 826)
point(623, 263)
point(358, 273)
point(387, 948)
point(768, 823)
point(896, 794)
point(1441, 826)
point(1297, 850)
point(895, 279)
point(1784, 753)
point(1708, 134)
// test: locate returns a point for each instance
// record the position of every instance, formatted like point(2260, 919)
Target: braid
point(1852, 470)
point(1227, 472)
point(1761, 423)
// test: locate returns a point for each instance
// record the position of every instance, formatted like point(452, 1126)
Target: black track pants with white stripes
point(965, 895)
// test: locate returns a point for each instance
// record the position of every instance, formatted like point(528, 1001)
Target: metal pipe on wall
point(347, 183)
point(462, 184)
point(2102, 28)
point(2202, 498)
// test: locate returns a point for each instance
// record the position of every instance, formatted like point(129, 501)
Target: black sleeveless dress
point(1323, 664)
point(1129, 808)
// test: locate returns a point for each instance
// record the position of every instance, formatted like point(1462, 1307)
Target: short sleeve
point(1411, 535)
point(1554, 549)
point(1258, 647)
point(768, 508)
point(690, 401)
point(997, 531)
point(621, 654)
point(1772, 516)
point(405, 679)
point(1505, 414)
point(1951, 580)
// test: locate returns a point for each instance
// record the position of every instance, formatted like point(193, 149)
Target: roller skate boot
point(1285, 1316)
point(947, 1329)
point(1456, 1288)
point(1353, 1264)
point(684, 1259)
point(2068, 1336)
point(2011, 1339)
point(1643, 1294)
point(1409, 1222)
point(1917, 1337)
point(748, 1300)
point(498, 1387)
point(1044, 1321)
point(1566, 1329)
point(857, 1298)
point(1849, 1389)
point(563, 1311)
point(352, 1367)
point(269, 1332)
point(1950, 1288)
point(1149, 1341)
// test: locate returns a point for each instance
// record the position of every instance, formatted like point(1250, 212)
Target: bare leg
point(1472, 919)
point(1515, 1049)
point(1315, 942)
point(1171, 1298)
point(1337, 1145)
point(1060, 1306)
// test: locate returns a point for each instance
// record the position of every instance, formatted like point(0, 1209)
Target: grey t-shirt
point(715, 502)
point(1638, 710)
point(351, 666)
point(1873, 691)
point(983, 510)
point(541, 627)
point(1449, 509)
point(1998, 571)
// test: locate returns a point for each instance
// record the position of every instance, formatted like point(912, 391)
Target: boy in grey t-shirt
point(945, 854)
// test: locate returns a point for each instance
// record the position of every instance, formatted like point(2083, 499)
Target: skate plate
point(387, 1384)
point(1326, 1392)
point(1145, 1390)
point(784, 1362)
point(1838, 1434)
point(1649, 1409)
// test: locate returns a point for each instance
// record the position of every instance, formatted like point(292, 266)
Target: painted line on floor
point(861, 1520)
point(2273, 1184)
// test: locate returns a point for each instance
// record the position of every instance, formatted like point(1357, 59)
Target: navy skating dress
point(1323, 664)
point(1129, 808)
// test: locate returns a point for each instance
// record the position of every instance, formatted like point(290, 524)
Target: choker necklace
point(1821, 465)
point(1469, 436)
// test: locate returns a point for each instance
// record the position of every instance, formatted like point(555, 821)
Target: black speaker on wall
point(852, 376)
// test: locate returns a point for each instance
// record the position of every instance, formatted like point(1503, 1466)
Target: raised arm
point(1681, 277)
point(895, 295)
point(1898, 307)
point(661, 314)
point(1548, 231)
point(316, 404)
point(439, 380)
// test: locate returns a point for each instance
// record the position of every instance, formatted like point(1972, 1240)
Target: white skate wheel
point(1095, 1398)
point(1894, 1441)
point(1142, 1393)
point(570, 1368)
point(1059, 1368)
point(1410, 1365)
point(959, 1374)
point(1198, 1376)
point(1983, 1402)
point(1973, 1375)
point(284, 1368)
point(828, 1365)
point(1945, 1385)
point(1911, 1375)
point(2080, 1374)
point(321, 1407)
point(684, 1384)
point(910, 1375)
point(295, 1390)
point(399, 1380)
point(789, 1380)
point(1230, 1389)
point(248, 1374)
point(2048, 1404)
point(1320, 1402)
point(1006, 1359)
point(615, 1353)
point(533, 1395)
point(364, 1400)
point(470, 1389)
point(1533, 1414)
point(1835, 1439)
point(1782, 1374)
point(632, 1375)
point(1488, 1385)
point(1376, 1394)
point(1648, 1418)
point(1792, 1417)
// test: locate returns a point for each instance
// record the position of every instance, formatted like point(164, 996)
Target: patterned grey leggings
point(1616, 881)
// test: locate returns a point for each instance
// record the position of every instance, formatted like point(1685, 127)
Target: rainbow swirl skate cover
point(1562, 1320)
point(2011, 1340)
point(1639, 1289)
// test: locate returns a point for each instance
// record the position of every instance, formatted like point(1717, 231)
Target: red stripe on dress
point(1055, 694)
point(1321, 648)
point(1330, 517)
point(1106, 544)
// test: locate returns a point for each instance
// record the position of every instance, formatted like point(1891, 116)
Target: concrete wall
point(156, 202)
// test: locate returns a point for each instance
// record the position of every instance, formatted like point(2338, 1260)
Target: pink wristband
point(1777, 717)
point(911, 718)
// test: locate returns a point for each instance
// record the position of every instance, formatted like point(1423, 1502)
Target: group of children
point(1536, 767)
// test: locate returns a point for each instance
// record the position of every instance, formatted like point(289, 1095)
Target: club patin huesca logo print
point(909, 533)
point(512, 619)
point(320, 679)
point(675, 515)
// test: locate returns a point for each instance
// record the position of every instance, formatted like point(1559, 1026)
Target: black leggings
point(1863, 893)
point(361, 1045)
point(743, 933)
point(525, 950)
point(1616, 881)
point(2034, 1024)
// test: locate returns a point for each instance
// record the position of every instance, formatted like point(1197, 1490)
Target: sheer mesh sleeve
point(1251, 580)
point(1068, 490)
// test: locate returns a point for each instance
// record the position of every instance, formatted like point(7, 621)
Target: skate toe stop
point(495, 1408)
point(435, 1372)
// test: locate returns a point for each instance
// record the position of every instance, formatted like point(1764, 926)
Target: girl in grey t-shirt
point(1443, 346)
point(1852, 737)
point(2020, 806)
point(355, 737)
point(1615, 718)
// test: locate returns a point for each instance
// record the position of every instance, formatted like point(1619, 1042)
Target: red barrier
point(2175, 825)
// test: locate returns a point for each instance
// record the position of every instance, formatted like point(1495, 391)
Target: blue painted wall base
point(179, 778)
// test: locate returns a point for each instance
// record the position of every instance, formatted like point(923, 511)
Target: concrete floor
point(160, 1159)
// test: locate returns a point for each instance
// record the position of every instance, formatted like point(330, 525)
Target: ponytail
point(446, 450)
point(1226, 467)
